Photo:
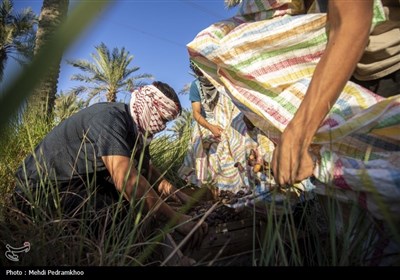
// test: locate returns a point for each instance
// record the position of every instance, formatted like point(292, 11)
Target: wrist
point(300, 135)
point(208, 125)
point(164, 187)
point(304, 125)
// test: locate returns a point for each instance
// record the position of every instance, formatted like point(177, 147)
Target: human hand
point(197, 230)
point(167, 191)
point(216, 130)
point(186, 199)
point(291, 161)
point(255, 161)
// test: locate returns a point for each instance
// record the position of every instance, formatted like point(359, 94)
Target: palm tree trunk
point(3, 62)
point(52, 15)
point(111, 96)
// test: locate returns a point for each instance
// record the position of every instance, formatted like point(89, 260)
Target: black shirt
point(74, 148)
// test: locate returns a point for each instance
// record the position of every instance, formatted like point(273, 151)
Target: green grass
point(311, 235)
point(59, 239)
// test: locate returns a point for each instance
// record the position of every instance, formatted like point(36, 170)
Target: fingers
point(291, 166)
point(217, 131)
point(306, 170)
point(205, 228)
point(188, 245)
point(276, 168)
point(196, 236)
point(199, 235)
point(194, 240)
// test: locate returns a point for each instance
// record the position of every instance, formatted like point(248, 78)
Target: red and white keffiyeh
point(150, 109)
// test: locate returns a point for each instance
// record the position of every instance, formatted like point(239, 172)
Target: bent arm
point(349, 27)
point(214, 129)
point(125, 176)
point(198, 117)
point(165, 188)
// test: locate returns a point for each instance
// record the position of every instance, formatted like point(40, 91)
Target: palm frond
point(232, 3)
point(16, 34)
point(185, 89)
point(108, 71)
point(66, 105)
point(77, 90)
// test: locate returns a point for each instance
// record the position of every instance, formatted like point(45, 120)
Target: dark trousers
point(386, 86)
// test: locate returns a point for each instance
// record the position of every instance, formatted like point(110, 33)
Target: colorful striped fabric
point(216, 166)
point(266, 66)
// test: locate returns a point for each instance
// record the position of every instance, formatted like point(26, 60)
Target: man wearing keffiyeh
point(105, 144)
point(150, 109)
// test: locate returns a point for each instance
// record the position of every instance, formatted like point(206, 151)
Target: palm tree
point(66, 105)
point(185, 89)
point(16, 34)
point(232, 3)
point(108, 74)
point(53, 14)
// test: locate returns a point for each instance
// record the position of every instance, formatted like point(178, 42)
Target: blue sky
point(154, 32)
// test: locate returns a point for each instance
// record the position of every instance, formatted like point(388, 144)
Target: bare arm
point(121, 170)
point(125, 176)
point(214, 129)
point(165, 188)
point(349, 23)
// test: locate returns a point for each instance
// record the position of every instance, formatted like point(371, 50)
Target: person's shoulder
point(194, 90)
point(194, 83)
point(194, 94)
point(108, 112)
point(108, 107)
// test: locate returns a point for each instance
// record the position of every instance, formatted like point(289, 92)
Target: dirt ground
point(231, 235)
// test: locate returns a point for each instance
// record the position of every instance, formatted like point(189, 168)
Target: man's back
point(74, 147)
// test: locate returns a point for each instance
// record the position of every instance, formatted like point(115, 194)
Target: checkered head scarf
point(151, 109)
point(208, 93)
